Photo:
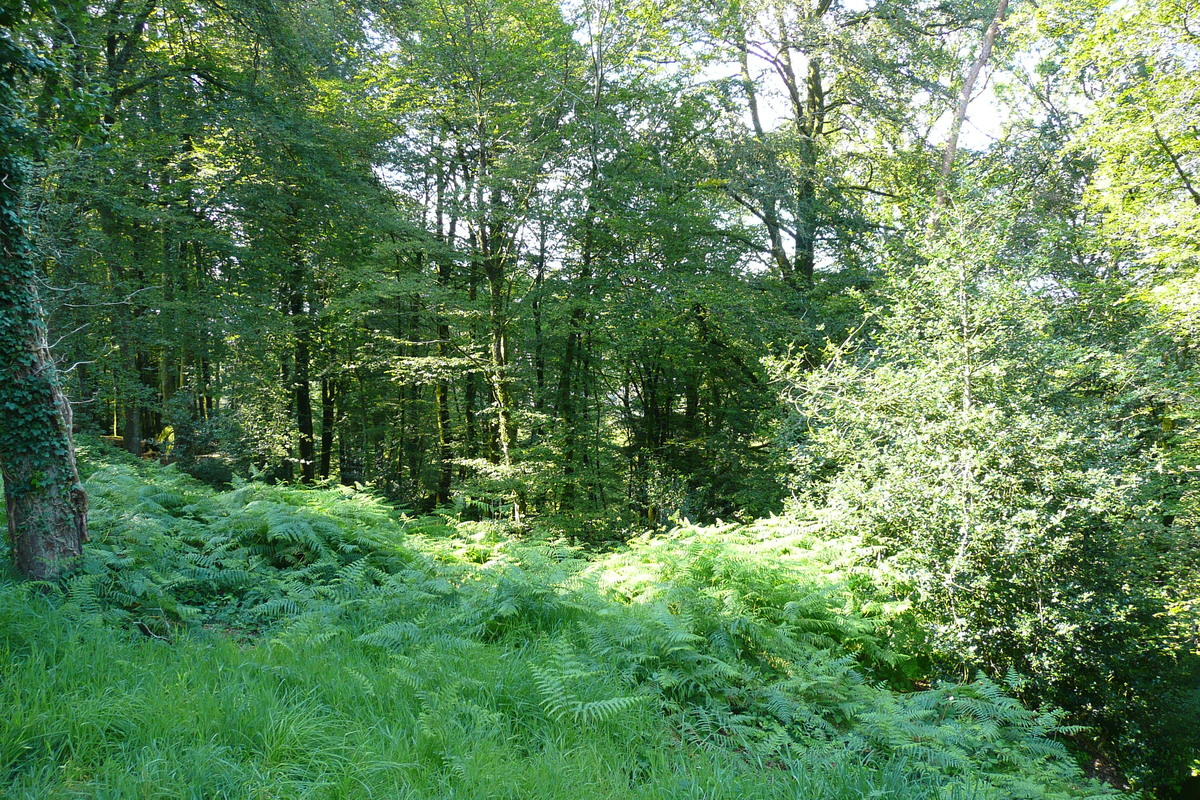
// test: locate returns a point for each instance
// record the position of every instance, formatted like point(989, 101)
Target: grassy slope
point(100, 715)
point(280, 643)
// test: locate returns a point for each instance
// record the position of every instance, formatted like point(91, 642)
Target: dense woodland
point(769, 398)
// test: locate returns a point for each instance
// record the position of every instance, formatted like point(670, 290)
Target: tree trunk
point(964, 100)
point(501, 382)
point(566, 398)
point(471, 390)
point(131, 432)
point(328, 419)
point(43, 495)
point(441, 400)
point(287, 470)
point(304, 415)
point(441, 391)
point(539, 345)
point(44, 498)
point(810, 126)
point(301, 387)
point(446, 230)
point(769, 213)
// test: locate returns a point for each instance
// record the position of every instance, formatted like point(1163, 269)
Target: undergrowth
point(282, 642)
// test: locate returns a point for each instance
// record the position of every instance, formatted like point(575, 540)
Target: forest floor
point(279, 642)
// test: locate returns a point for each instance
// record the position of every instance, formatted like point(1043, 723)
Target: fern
point(755, 643)
point(558, 683)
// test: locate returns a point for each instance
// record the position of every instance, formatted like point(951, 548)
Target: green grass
point(282, 643)
point(95, 713)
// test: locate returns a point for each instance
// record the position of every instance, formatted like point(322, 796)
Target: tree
point(822, 90)
point(44, 498)
point(971, 436)
point(488, 86)
point(230, 174)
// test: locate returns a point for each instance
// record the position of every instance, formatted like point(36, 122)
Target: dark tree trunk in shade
point(301, 386)
point(328, 420)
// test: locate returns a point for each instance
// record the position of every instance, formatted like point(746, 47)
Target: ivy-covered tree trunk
point(45, 501)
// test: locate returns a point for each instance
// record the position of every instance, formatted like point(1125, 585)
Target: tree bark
point(441, 390)
point(964, 100)
point(328, 421)
point(567, 415)
point(301, 386)
point(501, 381)
point(44, 498)
point(769, 213)
point(471, 389)
point(304, 416)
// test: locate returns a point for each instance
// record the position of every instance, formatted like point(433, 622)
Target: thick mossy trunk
point(45, 501)
point(47, 513)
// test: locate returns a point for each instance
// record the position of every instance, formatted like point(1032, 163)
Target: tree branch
point(1183, 176)
point(960, 115)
